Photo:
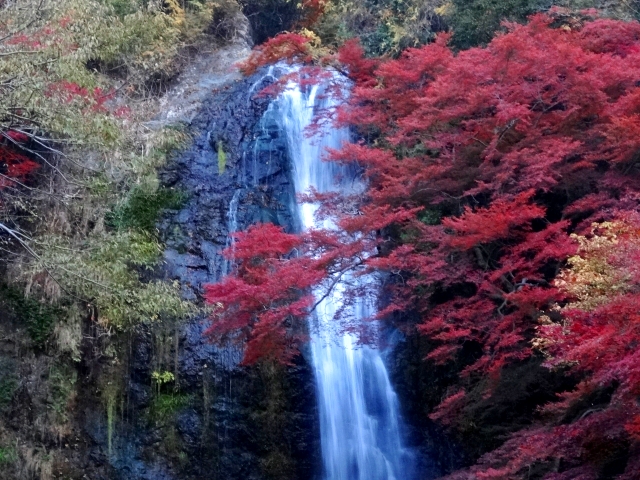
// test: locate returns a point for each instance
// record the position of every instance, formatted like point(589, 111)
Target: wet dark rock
point(140, 395)
point(256, 165)
point(142, 353)
point(190, 427)
point(420, 387)
point(218, 422)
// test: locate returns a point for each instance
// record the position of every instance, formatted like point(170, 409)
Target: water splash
point(361, 431)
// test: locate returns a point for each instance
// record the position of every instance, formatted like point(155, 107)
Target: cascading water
point(232, 227)
point(361, 432)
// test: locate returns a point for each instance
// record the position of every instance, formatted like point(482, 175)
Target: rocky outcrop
point(213, 67)
point(223, 420)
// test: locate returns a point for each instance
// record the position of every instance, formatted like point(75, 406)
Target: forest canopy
point(502, 203)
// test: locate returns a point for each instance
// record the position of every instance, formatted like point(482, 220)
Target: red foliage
point(498, 221)
point(481, 137)
point(44, 37)
point(565, 452)
point(27, 41)
point(291, 47)
point(13, 163)
point(478, 166)
point(266, 303)
point(262, 304)
point(361, 69)
point(94, 100)
point(17, 136)
point(511, 145)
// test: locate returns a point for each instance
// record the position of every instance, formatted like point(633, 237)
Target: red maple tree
point(15, 165)
point(264, 305)
point(479, 166)
point(508, 149)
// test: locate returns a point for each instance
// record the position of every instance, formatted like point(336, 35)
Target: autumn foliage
point(260, 304)
point(510, 149)
point(265, 304)
point(292, 47)
point(502, 188)
point(15, 164)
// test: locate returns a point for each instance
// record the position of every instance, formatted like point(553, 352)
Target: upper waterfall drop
point(360, 424)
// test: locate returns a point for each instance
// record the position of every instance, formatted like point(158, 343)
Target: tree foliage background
point(502, 205)
point(80, 196)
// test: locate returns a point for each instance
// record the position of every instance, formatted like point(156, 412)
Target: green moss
point(111, 394)
point(8, 455)
point(63, 379)
point(162, 414)
point(222, 159)
point(165, 405)
point(141, 209)
point(111, 412)
point(39, 318)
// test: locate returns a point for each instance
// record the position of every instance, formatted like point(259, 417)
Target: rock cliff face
point(420, 386)
point(224, 420)
point(211, 417)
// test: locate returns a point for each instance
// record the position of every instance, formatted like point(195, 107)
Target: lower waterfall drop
point(360, 424)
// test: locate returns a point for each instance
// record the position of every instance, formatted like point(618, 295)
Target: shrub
point(104, 273)
point(384, 27)
point(8, 382)
point(39, 318)
point(141, 209)
point(270, 17)
point(475, 22)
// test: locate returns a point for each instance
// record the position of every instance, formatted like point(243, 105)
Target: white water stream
point(360, 426)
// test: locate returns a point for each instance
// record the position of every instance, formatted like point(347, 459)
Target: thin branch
point(337, 278)
point(17, 235)
point(480, 141)
point(18, 52)
point(87, 279)
point(425, 189)
point(41, 157)
point(41, 141)
point(31, 189)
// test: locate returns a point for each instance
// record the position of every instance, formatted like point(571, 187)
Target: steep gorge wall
point(261, 419)
point(214, 418)
point(217, 418)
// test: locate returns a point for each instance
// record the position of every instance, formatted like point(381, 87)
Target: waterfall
point(360, 426)
point(232, 227)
